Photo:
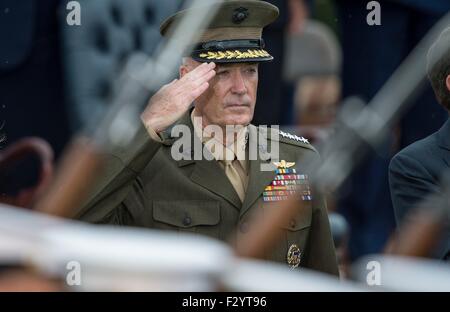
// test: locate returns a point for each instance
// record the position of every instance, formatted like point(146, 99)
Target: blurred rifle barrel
point(139, 80)
point(359, 128)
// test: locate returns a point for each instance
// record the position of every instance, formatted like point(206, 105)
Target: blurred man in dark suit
point(415, 172)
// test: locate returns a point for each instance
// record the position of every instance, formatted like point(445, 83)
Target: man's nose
point(238, 86)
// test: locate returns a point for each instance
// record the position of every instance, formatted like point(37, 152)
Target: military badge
point(284, 164)
point(239, 15)
point(286, 183)
point(294, 256)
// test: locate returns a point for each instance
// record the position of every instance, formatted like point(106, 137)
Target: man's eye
point(223, 73)
point(251, 70)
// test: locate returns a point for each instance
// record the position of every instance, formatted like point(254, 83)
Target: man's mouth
point(236, 105)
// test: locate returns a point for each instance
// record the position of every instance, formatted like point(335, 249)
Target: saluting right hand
point(175, 98)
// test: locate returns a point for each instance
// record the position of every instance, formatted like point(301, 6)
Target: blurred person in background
point(31, 89)
point(416, 171)
point(370, 56)
point(313, 59)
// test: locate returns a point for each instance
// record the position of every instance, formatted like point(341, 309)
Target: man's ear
point(447, 83)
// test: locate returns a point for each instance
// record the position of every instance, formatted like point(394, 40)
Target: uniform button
point(187, 221)
point(293, 223)
point(244, 227)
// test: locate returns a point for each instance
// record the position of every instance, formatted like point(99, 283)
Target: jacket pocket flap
point(187, 213)
point(301, 220)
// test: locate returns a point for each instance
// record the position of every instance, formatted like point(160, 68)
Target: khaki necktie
point(232, 172)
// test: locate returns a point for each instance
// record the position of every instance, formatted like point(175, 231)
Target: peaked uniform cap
point(233, 35)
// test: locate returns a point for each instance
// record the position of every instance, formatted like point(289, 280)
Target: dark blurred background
point(55, 79)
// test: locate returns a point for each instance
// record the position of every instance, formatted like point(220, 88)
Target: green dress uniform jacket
point(144, 186)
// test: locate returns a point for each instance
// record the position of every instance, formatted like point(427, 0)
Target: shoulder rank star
point(293, 137)
point(284, 164)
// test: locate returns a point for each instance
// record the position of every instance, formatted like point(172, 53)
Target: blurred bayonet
point(358, 129)
point(141, 77)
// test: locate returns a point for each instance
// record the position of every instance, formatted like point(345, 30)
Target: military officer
point(160, 184)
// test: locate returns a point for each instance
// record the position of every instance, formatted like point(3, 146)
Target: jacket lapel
point(258, 179)
point(443, 138)
point(208, 173)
